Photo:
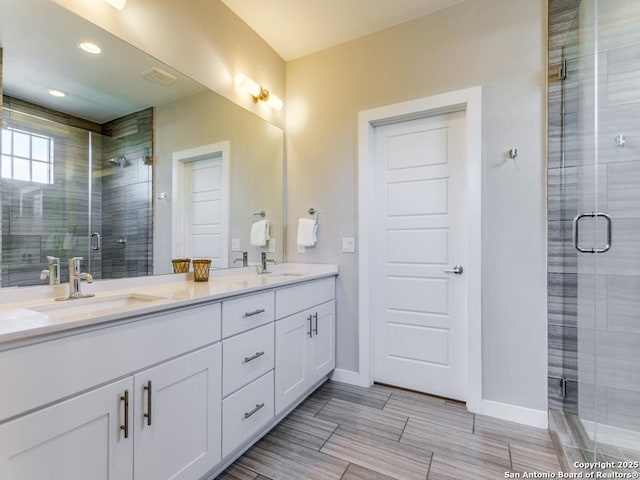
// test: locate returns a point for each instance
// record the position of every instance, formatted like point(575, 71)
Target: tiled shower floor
point(382, 433)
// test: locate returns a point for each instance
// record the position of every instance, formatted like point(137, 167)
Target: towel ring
point(313, 213)
point(260, 214)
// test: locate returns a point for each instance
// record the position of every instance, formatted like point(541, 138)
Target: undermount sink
point(277, 275)
point(95, 305)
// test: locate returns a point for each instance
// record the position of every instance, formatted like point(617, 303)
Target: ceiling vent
point(158, 76)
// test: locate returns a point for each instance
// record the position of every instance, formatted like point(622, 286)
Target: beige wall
point(201, 38)
point(255, 168)
point(498, 44)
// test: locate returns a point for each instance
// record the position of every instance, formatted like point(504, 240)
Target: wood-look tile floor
point(344, 432)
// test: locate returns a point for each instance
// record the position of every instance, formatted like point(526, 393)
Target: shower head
point(118, 162)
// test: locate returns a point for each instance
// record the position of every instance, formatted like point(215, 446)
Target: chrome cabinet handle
point(576, 232)
point(258, 407)
point(310, 332)
point(315, 329)
point(147, 415)
point(125, 398)
point(255, 312)
point(458, 270)
point(257, 355)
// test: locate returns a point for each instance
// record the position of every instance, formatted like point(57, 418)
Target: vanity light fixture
point(119, 4)
point(258, 92)
point(91, 48)
point(57, 93)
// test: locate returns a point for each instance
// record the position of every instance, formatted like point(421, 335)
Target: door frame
point(470, 101)
point(180, 161)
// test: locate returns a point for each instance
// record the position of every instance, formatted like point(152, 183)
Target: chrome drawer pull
point(258, 407)
point(248, 359)
point(255, 312)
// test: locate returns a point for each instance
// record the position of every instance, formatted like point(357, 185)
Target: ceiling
point(40, 44)
point(295, 28)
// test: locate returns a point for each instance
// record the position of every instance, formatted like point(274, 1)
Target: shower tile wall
point(607, 304)
point(38, 219)
point(127, 197)
point(562, 207)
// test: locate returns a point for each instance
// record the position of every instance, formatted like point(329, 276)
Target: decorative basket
point(201, 270)
point(181, 265)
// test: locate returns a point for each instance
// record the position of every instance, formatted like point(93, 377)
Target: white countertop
point(30, 312)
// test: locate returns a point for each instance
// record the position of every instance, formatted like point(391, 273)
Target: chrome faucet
point(53, 273)
point(244, 259)
point(262, 268)
point(75, 279)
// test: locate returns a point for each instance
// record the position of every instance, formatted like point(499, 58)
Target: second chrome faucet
point(75, 279)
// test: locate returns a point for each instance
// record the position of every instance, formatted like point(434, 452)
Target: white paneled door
point(420, 234)
point(207, 202)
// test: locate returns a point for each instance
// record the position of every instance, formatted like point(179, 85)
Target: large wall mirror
point(120, 159)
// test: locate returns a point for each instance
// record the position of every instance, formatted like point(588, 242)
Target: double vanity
point(158, 377)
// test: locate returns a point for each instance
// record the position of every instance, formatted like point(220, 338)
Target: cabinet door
point(182, 437)
point(322, 355)
point(291, 372)
point(77, 439)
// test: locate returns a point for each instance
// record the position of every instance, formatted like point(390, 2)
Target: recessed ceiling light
point(57, 93)
point(90, 48)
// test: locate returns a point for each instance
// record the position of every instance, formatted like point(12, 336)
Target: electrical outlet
point(348, 245)
point(272, 245)
point(235, 244)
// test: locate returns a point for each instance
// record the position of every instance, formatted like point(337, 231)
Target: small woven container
point(201, 270)
point(181, 265)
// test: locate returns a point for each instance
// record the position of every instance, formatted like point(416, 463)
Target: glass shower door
point(45, 180)
point(606, 228)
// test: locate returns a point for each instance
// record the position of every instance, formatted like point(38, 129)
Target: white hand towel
point(307, 232)
point(260, 233)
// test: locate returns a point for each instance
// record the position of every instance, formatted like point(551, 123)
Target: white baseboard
point(515, 413)
point(347, 376)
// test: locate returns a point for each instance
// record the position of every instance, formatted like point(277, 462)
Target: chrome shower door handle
point(458, 270)
point(576, 232)
point(607, 218)
point(97, 244)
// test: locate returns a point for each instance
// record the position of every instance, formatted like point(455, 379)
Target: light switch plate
point(348, 245)
point(272, 245)
point(235, 244)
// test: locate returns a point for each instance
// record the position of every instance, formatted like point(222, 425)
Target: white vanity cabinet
point(305, 341)
point(77, 439)
point(176, 417)
point(248, 360)
point(174, 394)
point(106, 433)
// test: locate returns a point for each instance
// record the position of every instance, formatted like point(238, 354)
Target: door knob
point(458, 269)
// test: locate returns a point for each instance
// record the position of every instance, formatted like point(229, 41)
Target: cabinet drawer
point(300, 297)
point(246, 357)
point(58, 368)
point(245, 412)
point(241, 314)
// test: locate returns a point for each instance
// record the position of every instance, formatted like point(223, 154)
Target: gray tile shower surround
point(353, 433)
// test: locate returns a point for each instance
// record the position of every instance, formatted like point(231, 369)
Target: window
point(26, 156)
